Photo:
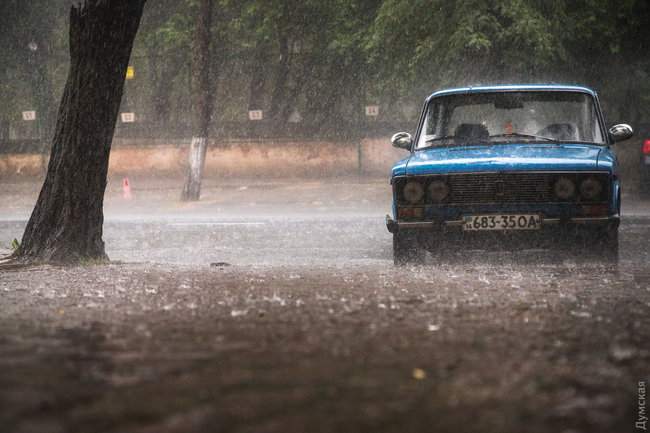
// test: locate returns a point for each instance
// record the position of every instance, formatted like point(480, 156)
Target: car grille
point(485, 188)
point(505, 188)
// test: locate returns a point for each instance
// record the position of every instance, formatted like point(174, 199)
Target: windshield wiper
point(518, 135)
point(468, 140)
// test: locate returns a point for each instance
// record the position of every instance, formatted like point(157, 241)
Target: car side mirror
point(402, 140)
point(620, 132)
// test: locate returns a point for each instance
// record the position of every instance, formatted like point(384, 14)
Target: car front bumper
point(604, 221)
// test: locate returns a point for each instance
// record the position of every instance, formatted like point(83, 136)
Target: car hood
point(507, 157)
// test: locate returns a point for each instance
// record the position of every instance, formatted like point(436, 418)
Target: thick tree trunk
point(66, 224)
point(202, 102)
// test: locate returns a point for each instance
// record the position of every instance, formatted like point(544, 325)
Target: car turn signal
point(410, 212)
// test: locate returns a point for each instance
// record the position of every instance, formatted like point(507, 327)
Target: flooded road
point(310, 328)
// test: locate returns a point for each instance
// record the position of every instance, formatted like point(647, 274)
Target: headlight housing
point(564, 188)
point(413, 192)
point(438, 191)
point(590, 188)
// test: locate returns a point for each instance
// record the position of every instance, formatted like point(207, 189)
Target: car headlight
point(413, 192)
point(564, 188)
point(590, 188)
point(438, 191)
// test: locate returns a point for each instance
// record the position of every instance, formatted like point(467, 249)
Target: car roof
point(512, 88)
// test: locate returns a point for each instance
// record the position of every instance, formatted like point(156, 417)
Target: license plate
point(502, 222)
point(647, 160)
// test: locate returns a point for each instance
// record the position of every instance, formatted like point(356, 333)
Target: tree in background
point(28, 45)
point(67, 221)
point(165, 34)
point(435, 43)
point(417, 47)
point(609, 45)
point(307, 57)
point(326, 60)
point(202, 97)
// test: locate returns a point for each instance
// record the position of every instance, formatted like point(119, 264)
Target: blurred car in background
point(644, 178)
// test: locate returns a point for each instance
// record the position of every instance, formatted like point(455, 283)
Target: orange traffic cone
point(126, 189)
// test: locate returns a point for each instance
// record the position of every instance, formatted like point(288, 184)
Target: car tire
point(406, 249)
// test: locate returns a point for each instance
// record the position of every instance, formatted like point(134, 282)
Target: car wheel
point(406, 249)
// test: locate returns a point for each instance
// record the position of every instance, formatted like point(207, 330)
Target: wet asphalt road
point(311, 328)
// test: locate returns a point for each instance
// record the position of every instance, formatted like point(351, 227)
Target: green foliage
point(327, 59)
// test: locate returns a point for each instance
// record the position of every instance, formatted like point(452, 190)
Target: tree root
point(15, 261)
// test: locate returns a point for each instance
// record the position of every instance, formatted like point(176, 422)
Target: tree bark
point(202, 102)
point(66, 224)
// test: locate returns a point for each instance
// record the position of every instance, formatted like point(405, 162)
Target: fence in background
point(25, 136)
point(271, 158)
point(259, 157)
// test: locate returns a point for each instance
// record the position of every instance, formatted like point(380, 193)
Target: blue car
point(506, 162)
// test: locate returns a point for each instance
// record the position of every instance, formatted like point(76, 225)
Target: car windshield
point(505, 117)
